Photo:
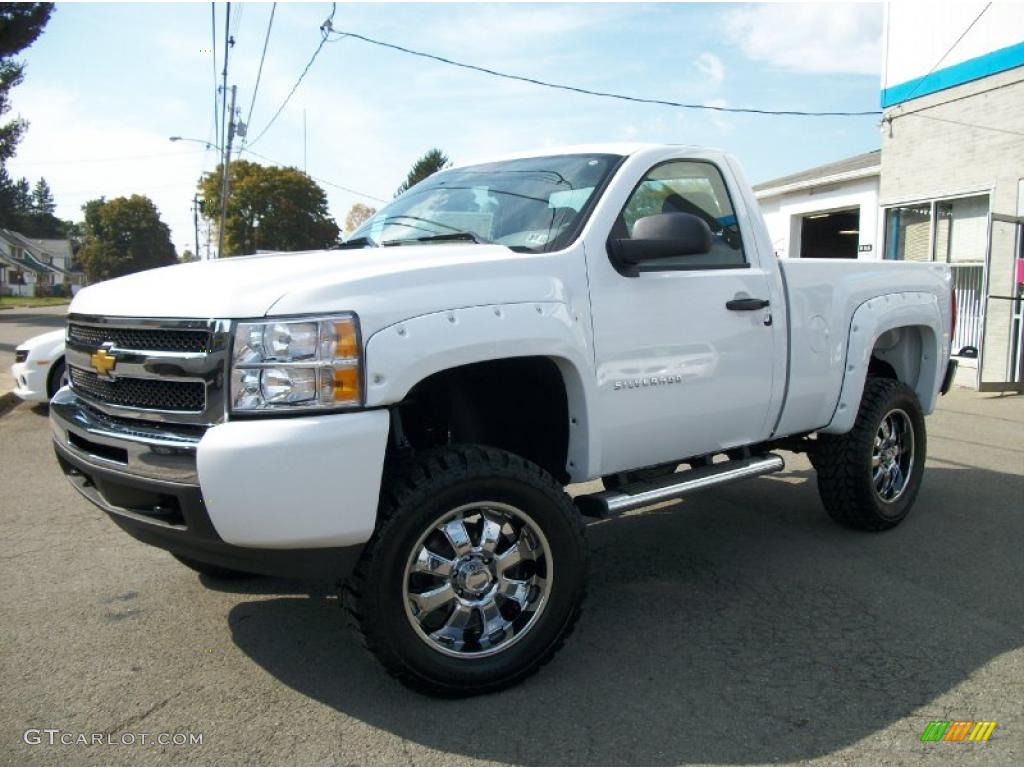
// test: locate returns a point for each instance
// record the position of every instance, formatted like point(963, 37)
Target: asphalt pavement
point(740, 626)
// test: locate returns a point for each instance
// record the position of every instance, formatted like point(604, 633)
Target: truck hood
point(384, 285)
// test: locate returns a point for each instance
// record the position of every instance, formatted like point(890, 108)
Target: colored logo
point(103, 362)
point(958, 730)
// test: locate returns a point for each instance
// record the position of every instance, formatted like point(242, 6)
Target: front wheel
point(475, 575)
point(869, 477)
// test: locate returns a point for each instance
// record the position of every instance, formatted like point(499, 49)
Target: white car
point(38, 368)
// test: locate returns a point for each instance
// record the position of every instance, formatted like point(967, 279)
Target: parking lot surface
point(740, 626)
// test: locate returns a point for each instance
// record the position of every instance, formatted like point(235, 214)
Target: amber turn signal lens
point(346, 342)
point(346, 384)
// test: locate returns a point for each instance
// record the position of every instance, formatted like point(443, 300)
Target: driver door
point(679, 373)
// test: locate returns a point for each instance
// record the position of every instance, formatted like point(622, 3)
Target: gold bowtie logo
point(103, 362)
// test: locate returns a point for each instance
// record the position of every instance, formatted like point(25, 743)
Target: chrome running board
point(676, 485)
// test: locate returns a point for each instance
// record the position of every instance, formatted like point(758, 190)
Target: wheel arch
point(895, 336)
point(51, 390)
point(500, 361)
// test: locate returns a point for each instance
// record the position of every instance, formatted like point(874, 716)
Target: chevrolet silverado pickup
point(402, 414)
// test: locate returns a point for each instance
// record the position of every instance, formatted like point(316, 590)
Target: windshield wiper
point(357, 242)
point(470, 236)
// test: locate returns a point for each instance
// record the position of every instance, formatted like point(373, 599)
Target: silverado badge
point(103, 362)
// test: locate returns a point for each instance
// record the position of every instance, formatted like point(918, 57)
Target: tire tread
point(417, 476)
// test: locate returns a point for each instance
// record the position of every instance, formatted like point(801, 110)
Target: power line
point(603, 94)
point(325, 30)
point(355, 192)
point(259, 72)
point(978, 126)
point(948, 51)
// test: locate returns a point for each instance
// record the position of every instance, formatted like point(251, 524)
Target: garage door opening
point(832, 235)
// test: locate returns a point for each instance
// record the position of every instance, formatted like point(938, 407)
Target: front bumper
point(287, 497)
point(30, 381)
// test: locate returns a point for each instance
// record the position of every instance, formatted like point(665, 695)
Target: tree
point(42, 198)
point(270, 208)
point(20, 25)
point(357, 214)
point(432, 162)
point(122, 236)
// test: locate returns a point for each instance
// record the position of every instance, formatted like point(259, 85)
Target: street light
point(225, 159)
point(209, 144)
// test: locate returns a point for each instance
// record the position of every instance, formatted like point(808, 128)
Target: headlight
point(304, 363)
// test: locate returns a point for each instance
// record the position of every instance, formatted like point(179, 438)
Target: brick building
point(952, 167)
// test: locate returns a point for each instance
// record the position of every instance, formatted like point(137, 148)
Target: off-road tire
point(844, 462)
point(415, 492)
point(213, 571)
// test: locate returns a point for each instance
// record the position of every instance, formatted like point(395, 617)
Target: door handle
point(744, 305)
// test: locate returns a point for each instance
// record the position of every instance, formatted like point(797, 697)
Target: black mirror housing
point(662, 236)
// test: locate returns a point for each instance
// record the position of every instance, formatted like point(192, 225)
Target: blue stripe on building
point(957, 74)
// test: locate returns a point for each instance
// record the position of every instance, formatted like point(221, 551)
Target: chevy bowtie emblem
point(103, 362)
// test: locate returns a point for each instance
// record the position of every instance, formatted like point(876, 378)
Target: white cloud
point(823, 38)
point(711, 68)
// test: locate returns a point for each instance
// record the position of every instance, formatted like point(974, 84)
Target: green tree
point(431, 162)
point(42, 198)
point(122, 236)
point(270, 209)
point(22, 197)
point(20, 25)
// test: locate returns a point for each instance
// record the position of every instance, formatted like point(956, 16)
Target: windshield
point(534, 204)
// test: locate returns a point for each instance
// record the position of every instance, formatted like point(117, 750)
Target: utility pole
point(225, 185)
point(304, 141)
point(195, 220)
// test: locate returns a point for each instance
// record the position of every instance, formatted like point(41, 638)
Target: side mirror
point(662, 236)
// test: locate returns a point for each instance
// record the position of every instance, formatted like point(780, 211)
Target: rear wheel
point(869, 478)
point(475, 575)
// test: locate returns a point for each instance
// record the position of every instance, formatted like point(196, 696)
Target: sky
point(106, 85)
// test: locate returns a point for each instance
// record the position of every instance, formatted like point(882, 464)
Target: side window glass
point(690, 187)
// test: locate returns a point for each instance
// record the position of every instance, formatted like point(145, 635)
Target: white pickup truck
point(402, 414)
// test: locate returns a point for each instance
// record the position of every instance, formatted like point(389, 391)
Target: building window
point(950, 230)
point(953, 231)
point(908, 232)
point(961, 229)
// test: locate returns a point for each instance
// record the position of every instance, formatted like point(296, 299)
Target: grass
point(10, 302)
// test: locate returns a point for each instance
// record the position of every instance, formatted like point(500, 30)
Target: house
point(827, 212)
point(31, 267)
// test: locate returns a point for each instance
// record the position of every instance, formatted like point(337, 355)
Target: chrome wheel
point(477, 580)
point(892, 458)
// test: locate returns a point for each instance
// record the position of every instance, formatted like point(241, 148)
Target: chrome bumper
point(152, 451)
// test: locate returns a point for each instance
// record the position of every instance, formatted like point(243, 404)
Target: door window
point(693, 187)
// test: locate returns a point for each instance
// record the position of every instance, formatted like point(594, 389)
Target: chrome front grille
point(163, 370)
point(158, 394)
point(152, 339)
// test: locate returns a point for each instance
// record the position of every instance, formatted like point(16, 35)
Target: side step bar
point(674, 486)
